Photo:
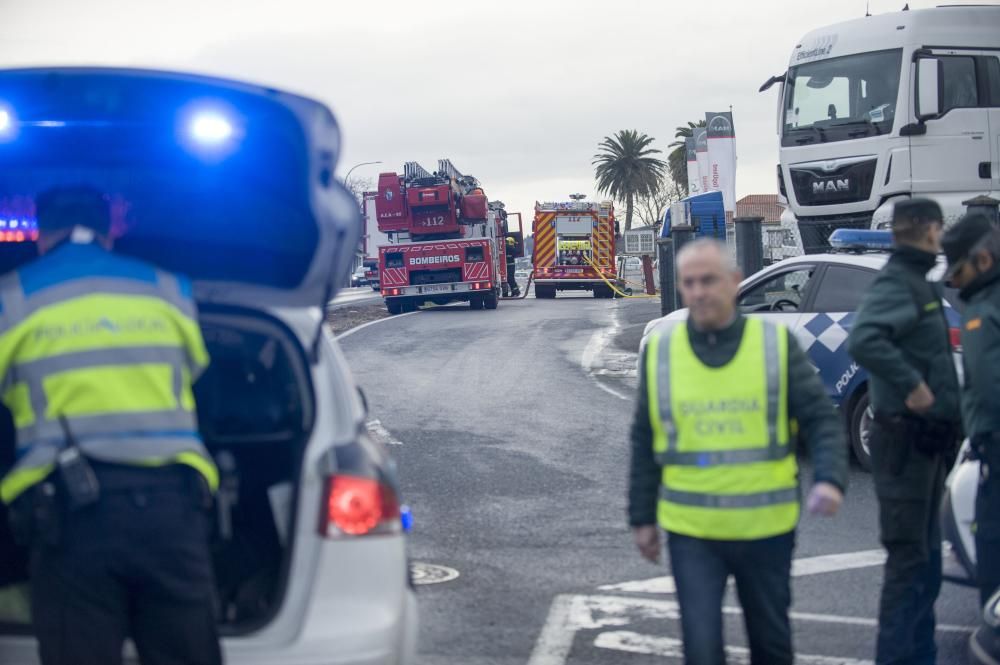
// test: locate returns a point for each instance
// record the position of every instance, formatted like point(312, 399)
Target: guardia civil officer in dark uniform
point(973, 250)
point(900, 336)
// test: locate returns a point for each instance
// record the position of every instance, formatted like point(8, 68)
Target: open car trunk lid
point(228, 183)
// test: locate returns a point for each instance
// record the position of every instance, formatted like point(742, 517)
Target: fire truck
point(574, 247)
point(446, 241)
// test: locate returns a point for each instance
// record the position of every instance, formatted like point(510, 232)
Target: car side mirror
point(928, 96)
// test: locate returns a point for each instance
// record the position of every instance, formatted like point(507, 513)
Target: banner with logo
point(701, 151)
point(694, 180)
point(722, 157)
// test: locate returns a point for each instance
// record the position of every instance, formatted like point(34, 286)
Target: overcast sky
point(516, 92)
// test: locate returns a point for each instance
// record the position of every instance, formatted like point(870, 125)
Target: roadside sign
point(640, 242)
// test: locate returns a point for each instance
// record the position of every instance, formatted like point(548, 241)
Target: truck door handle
point(985, 170)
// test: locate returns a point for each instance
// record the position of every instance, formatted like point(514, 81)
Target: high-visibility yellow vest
point(111, 345)
point(722, 436)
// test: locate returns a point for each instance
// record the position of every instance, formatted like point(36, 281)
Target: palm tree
point(677, 159)
point(625, 168)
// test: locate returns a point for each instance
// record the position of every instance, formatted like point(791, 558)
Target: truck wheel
point(861, 419)
point(545, 291)
point(492, 300)
point(394, 307)
point(410, 305)
point(476, 302)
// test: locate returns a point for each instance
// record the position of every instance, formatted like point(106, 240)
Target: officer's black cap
point(959, 240)
point(76, 205)
point(911, 212)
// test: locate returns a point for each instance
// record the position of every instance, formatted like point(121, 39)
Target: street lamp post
point(346, 177)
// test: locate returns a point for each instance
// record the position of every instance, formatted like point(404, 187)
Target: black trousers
point(988, 523)
point(762, 570)
point(511, 280)
point(909, 485)
point(136, 564)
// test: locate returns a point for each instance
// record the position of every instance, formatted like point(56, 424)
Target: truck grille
point(815, 231)
point(848, 184)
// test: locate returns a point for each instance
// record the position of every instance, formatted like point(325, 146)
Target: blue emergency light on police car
point(859, 240)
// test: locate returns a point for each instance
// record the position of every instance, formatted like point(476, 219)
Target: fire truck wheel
point(476, 302)
point(545, 292)
point(492, 300)
point(394, 307)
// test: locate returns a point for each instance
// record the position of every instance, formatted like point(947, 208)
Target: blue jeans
point(762, 571)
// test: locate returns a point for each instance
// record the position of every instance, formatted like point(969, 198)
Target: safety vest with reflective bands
point(722, 436)
point(112, 345)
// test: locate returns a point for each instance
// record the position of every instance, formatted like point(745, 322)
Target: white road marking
point(827, 563)
point(624, 640)
point(430, 573)
point(591, 357)
point(350, 332)
point(570, 614)
point(377, 430)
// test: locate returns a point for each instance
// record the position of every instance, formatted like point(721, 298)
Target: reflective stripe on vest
point(121, 377)
point(722, 436)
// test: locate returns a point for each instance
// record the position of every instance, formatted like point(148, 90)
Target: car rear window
point(842, 288)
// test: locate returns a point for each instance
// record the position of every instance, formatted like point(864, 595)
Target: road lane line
point(625, 640)
point(827, 563)
point(556, 639)
point(350, 332)
point(593, 350)
point(377, 430)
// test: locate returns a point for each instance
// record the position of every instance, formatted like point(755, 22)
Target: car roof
point(874, 260)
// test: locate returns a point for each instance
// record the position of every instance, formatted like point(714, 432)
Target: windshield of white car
point(841, 98)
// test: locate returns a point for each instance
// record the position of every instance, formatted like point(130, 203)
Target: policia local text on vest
point(111, 486)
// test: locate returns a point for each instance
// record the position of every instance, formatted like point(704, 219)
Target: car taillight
point(356, 506)
point(955, 336)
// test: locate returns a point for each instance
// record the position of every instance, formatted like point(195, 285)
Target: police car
point(816, 297)
point(232, 185)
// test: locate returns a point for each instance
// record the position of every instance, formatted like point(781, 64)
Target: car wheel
point(861, 421)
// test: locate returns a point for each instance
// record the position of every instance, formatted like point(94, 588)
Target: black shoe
point(984, 645)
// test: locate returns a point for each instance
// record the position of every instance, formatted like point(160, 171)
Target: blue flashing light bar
point(857, 240)
point(406, 518)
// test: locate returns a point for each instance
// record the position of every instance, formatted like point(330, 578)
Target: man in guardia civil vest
point(724, 401)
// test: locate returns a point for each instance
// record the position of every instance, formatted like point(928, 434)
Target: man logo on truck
point(430, 260)
point(831, 186)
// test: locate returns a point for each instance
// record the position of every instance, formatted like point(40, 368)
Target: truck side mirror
point(929, 76)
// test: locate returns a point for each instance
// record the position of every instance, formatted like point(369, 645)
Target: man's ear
point(983, 261)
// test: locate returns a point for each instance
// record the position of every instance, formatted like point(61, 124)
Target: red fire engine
point(447, 242)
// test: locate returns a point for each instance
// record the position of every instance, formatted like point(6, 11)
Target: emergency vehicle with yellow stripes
point(574, 247)
point(447, 242)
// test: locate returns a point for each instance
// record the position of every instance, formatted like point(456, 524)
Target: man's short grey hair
point(728, 260)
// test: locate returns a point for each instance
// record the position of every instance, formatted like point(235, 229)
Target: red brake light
point(955, 336)
point(359, 506)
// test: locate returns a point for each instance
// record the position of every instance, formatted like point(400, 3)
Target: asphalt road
point(510, 430)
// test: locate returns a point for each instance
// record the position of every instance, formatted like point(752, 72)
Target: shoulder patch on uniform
point(974, 324)
point(932, 305)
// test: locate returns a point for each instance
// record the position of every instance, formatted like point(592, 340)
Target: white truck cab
point(890, 106)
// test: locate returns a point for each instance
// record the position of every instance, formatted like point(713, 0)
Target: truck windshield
point(841, 98)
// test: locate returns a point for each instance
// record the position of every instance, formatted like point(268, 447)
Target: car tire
point(491, 300)
point(394, 306)
point(860, 423)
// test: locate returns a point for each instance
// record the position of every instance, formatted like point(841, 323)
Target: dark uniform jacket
point(818, 422)
point(981, 357)
point(900, 335)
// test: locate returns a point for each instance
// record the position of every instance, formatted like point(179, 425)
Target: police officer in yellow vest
point(713, 459)
point(112, 483)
